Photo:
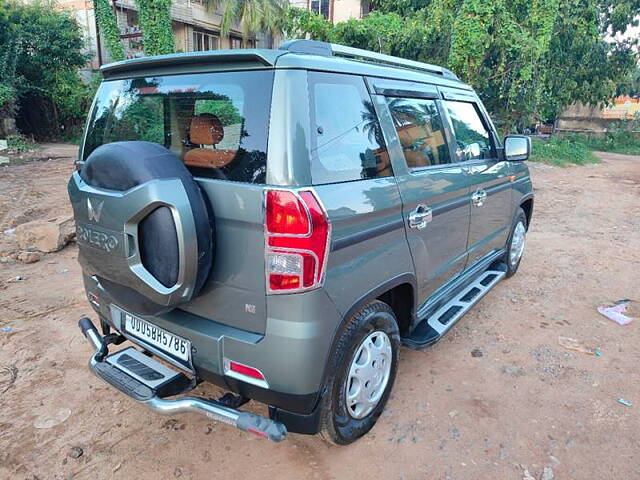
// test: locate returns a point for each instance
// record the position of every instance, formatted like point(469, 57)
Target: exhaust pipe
point(246, 421)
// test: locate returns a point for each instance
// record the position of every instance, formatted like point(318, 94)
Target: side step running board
point(431, 329)
point(147, 381)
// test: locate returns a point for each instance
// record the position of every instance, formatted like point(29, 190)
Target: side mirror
point(517, 147)
point(473, 150)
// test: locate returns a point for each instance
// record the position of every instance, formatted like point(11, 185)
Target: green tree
point(582, 64)
point(632, 86)
point(8, 64)
point(401, 7)
point(40, 53)
point(251, 15)
point(471, 38)
point(109, 30)
point(7, 91)
point(155, 22)
point(299, 22)
point(222, 107)
point(528, 59)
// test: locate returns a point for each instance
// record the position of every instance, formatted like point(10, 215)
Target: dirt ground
point(526, 404)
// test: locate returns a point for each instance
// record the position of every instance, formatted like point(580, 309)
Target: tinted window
point(472, 137)
point(217, 124)
point(420, 131)
point(347, 142)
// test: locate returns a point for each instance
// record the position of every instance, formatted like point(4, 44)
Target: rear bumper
point(292, 352)
point(123, 378)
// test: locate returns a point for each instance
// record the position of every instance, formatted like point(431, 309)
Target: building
point(195, 28)
point(598, 119)
point(336, 10)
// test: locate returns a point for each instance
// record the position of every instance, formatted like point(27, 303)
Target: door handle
point(420, 217)
point(478, 197)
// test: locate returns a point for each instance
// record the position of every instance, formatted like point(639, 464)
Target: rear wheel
point(515, 245)
point(364, 366)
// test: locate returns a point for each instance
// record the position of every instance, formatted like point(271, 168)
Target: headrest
point(206, 129)
point(201, 157)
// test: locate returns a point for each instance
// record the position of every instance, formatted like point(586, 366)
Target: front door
point(435, 195)
point(487, 174)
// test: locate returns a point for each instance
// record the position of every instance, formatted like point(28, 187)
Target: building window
point(320, 6)
point(367, 7)
point(236, 42)
point(205, 41)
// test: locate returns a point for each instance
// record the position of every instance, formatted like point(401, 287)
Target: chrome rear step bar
point(141, 378)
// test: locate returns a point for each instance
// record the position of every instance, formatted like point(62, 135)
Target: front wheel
point(364, 365)
point(515, 245)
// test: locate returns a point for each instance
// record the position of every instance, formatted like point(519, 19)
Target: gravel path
point(524, 404)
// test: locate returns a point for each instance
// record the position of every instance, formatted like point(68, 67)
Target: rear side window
point(472, 136)
point(347, 142)
point(420, 131)
point(216, 123)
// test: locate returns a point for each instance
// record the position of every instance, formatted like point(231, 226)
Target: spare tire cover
point(121, 166)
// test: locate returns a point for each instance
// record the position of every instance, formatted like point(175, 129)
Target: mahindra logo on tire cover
point(94, 212)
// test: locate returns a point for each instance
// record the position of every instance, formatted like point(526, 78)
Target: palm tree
point(252, 15)
point(402, 112)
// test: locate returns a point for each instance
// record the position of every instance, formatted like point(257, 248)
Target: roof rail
point(325, 49)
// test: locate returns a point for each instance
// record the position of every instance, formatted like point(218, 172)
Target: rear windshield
point(216, 123)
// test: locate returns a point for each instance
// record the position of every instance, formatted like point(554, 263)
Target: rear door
point(487, 173)
point(217, 124)
point(433, 186)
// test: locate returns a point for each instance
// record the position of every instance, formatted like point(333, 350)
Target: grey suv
point(279, 222)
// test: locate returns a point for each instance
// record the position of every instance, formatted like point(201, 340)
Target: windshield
point(216, 123)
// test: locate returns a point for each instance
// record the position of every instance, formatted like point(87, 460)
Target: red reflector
point(285, 214)
point(245, 370)
point(257, 432)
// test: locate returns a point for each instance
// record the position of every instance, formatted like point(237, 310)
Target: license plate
point(159, 338)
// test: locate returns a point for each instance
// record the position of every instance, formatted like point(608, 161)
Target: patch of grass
point(20, 144)
point(621, 137)
point(618, 142)
point(73, 136)
point(563, 151)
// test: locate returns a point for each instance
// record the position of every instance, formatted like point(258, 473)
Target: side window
point(346, 142)
point(472, 136)
point(420, 131)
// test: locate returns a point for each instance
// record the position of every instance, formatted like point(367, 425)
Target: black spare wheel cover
point(124, 165)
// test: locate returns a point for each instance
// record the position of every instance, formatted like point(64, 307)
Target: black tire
point(337, 425)
point(512, 268)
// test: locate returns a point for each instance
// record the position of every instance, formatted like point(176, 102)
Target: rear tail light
point(298, 233)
